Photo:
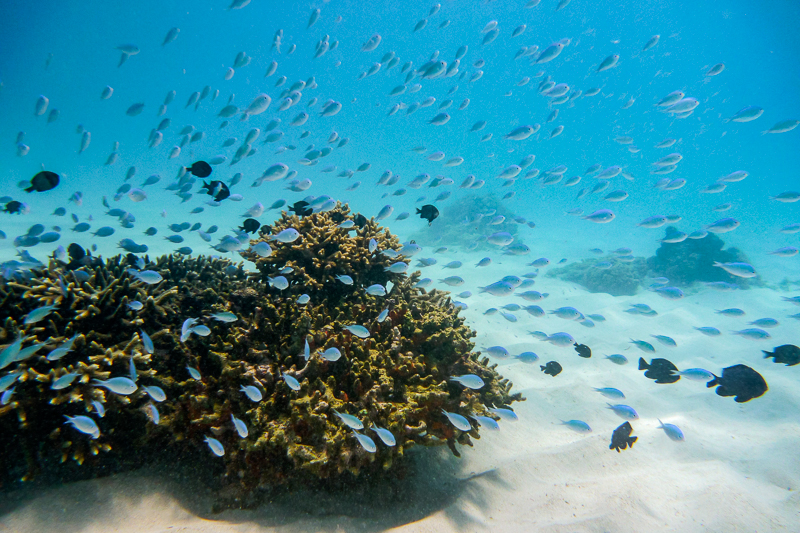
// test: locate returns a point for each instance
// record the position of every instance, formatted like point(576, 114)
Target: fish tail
point(713, 382)
point(767, 354)
point(643, 364)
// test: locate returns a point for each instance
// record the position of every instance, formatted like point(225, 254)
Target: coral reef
point(607, 275)
point(692, 260)
point(396, 378)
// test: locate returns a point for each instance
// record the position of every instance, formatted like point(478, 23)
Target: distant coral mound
point(692, 260)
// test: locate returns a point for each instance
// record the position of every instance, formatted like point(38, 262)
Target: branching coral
point(397, 378)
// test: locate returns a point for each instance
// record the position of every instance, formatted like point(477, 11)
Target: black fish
point(621, 438)
point(360, 220)
point(13, 207)
point(76, 252)
point(552, 368)
point(250, 225)
point(217, 189)
point(428, 212)
point(788, 353)
point(583, 350)
point(740, 381)
point(201, 169)
point(661, 370)
point(43, 181)
point(301, 209)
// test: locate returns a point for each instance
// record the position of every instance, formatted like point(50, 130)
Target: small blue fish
point(359, 331)
point(644, 346)
point(331, 354)
point(367, 443)
point(486, 261)
point(8, 380)
point(64, 381)
point(121, 386)
point(672, 431)
point(666, 341)
point(203, 331)
point(577, 425)
point(457, 420)
point(561, 339)
point(286, 236)
point(150, 277)
point(670, 293)
point(59, 351)
point(344, 278)
point(251, 392)
point(84, 424)
point(39, 314)
point(215, 445)
point(485, 421)
point(349, 420)
point(609, 392)
point(756, 334)
point(194, 373)
point(396, 268)
point(508, 316)
point(279, 282)
point(696, 374)
point(504, 414)
point(262, 249)
point(382, 316)
point(5, 398)
point(156, 393)
point(225, 316)
point(733, 311)
point(617, 359)
point(135, 305)
point(471, 381)
point(498, 288)
point(99, 409)
point(376, 290)
point(385, 435)
point(624, 411)
point(240, 426)
point(132, 370)
point(709, 331)
point(424, 282)
point(291, 382)
point(527, 357)
point(152, 413)
point(303, 299)
point(764, 323)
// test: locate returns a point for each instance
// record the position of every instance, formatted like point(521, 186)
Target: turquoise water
point(67, 51)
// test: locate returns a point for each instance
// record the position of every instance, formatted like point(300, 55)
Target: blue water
point(756, 41)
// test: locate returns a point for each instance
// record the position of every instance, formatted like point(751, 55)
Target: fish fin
point(643, 364)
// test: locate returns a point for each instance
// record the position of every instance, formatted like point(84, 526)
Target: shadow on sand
point(185, 489)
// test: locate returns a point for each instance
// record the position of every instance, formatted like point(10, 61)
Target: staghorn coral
point(397, 378)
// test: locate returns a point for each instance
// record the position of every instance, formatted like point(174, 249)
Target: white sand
point(737, 470)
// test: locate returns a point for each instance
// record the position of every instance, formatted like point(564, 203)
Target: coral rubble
point(395, 378)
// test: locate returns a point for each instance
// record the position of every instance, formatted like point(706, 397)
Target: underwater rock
point(604, 275)
point(692, 260)
point(397, 379)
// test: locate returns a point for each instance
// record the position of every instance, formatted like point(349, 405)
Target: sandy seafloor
point(738, 469)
